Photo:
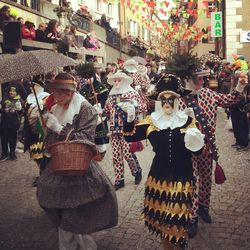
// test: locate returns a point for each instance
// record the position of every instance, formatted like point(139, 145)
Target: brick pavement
point(24, 226)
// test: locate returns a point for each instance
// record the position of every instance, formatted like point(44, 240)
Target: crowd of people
point(127, 103)
point(51, 32)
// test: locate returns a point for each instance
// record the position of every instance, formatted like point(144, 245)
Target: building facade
point(237, 28)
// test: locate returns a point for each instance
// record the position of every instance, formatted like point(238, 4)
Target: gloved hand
point(124, 105)
point(53, 124)
point(98, 108)
point(18, 105)
point(189, 112)
point(130, 113)
point(194, 139)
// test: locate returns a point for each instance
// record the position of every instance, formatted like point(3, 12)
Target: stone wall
point(233, 27)
point(244, 25)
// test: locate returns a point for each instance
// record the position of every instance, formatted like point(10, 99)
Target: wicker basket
point(70, 158)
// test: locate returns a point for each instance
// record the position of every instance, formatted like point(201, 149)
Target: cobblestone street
point(24, 225)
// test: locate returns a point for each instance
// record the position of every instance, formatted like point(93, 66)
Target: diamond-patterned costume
point(205, 104)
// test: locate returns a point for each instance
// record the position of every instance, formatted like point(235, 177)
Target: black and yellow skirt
point(167, 209)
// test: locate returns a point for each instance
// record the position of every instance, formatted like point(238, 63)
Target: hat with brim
point(140, 60)
point(62, 84)
point(124, 78)
point(169, 84)
point(203, 72)
point(131, 66)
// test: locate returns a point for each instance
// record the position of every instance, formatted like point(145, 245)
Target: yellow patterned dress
point(169, 186)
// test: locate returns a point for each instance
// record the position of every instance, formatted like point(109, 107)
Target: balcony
point(33, 4)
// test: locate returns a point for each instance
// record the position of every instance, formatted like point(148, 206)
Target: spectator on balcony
point(28, 31)
point(40, 32)
point(83, 11)
point(4, 15)
point(105, 23)
point(52, 32)
point(116, 37)
point(91, 43)
point(21, 20)
point(64, 3)
point(69, 36)
point(94, 40)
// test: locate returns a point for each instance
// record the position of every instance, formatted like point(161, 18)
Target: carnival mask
point(168, 103)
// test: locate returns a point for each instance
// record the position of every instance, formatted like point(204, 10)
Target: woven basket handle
point(69, 134)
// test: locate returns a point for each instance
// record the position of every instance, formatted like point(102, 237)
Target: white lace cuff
point(194, 139)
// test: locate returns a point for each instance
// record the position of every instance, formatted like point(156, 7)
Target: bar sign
point(216, 24)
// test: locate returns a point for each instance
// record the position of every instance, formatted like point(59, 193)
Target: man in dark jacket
point(40, 35)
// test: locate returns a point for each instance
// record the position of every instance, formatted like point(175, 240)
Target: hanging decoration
point(162, 18)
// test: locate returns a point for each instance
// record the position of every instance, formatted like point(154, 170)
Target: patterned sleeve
point(225, 100)
point(182, 105)
point(142, 105)
point(107, 109)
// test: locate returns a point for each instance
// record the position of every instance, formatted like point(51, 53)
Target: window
point(128, 26)
point(99, 5)
point(109, 9)
point(145, 34)
point(81, 2)
point(133, 28)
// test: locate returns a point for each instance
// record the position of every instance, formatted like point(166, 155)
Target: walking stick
point(37, 103)
point(98, 157)
point(96, 101)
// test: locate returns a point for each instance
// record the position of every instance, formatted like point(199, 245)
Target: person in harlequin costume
point(204, 103)
point(140, 80)
point(96, 93)
point(122, 98)
point(33, 140)
point(169, 188)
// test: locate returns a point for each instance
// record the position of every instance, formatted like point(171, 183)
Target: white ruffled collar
point(65, 116)
point(163, 121)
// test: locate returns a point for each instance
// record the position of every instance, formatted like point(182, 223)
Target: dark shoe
point(192, 228)
point(235, 145)
point(34, 183)
point(4, 158)
point(119, 185)
point(204, 214)
point(13, 157)
point(138, 177)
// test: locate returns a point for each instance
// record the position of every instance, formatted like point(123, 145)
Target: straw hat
point(131, 66)
point(63, 81)
point(124, 78)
